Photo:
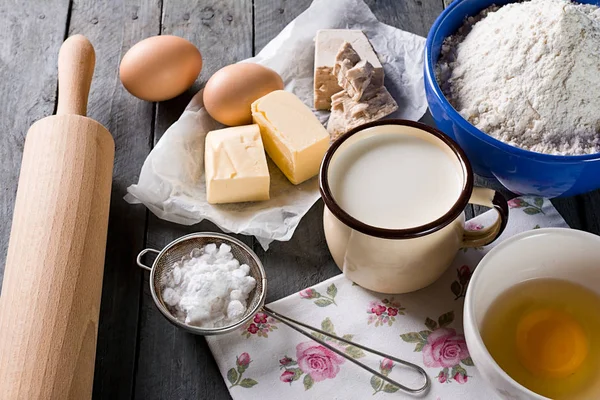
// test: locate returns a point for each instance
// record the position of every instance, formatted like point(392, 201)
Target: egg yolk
point(551, 343)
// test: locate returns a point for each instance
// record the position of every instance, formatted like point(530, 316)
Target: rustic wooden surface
point(140, 355)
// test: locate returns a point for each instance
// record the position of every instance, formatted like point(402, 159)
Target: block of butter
point(235, 165)
point(293, 137)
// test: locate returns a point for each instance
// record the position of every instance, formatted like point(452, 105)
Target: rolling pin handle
point(76, 61)
point(142, 253)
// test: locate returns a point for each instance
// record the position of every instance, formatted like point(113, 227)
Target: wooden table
point(140, 355)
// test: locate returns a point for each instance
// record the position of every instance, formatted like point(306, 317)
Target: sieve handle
point(142, 253)
point(292, 322)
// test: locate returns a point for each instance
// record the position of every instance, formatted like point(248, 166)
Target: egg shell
point(160, 67)
point(231, 90)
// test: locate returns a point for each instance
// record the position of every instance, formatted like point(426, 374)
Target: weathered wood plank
point(113, 27)
point(414, 16)
point(29, 42)
point(581, 212)
point(271, 16)
point(172, 363)
point(300, 263)
point(588, 208)
point(290, 266)
point(304, 260)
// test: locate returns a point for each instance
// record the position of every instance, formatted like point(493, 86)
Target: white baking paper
point(171, 182)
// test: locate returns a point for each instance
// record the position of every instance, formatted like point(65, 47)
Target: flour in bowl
point(209, 288)
point(528, 74)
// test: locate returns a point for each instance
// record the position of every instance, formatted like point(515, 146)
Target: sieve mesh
point(181, 248)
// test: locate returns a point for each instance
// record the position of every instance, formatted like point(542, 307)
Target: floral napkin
point(266, 359)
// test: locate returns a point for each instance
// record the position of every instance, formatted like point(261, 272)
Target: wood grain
point(581, 212)
point(304, 260)
point(75, 79)
point(28, 89)
point(113, 27)
point(414, 16)
point(50, 301)
point(271, 16)
point(173, 364)
point(290, 266)
point(170, 364)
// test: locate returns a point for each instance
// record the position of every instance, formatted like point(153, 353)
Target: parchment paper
point(171, 182)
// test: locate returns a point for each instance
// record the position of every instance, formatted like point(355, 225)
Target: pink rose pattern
point(473, 226)
point(320, 300)
point(384, 312)
point(442, 377)
point(315, 362)
point(318, 361)
point(287, 376)
point(461, 378)
point(459, 286)
point(442, 348)
point(260, 326)
point(378, 384)
point(235, 375)
point(243, 360)
point(530, 205)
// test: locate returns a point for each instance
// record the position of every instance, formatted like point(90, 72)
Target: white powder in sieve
point(209, 288)
point(528, 74)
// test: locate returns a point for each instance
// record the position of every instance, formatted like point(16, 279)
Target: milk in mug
point(396, 181)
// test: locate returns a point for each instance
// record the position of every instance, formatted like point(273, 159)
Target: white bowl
point(543, 253)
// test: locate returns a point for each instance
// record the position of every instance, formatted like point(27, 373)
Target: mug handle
point(492, 199)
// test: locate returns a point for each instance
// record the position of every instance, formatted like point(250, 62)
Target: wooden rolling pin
point(50, 297)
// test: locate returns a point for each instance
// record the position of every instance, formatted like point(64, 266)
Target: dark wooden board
point(414, 16)
point(173, 364)
point(304, 260)
point(140, 355)
point(271, 16)
point(290, 266)
point(29, 42)
point(581, 212)
point(113, 27)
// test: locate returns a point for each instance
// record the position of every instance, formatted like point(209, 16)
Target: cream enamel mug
point(394, 194)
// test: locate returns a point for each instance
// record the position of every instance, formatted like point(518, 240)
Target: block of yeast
point(363, 98)
point(293, 137)
point(327, 46)
point(235, 165)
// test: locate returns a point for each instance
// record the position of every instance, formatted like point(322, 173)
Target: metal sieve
point(181, 249)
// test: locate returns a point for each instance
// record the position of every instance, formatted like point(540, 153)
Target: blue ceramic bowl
point(520, 171)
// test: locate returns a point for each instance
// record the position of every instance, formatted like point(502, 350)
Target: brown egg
point(231, 90)
point(160, 67)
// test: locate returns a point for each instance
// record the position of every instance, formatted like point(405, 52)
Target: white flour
point(209, 288)
point(529, 74)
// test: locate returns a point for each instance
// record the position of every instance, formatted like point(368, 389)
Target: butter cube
point(293, 137)
point(235, 165)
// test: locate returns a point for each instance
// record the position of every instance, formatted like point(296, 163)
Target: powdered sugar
point(209, 288)
point(529, 74)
